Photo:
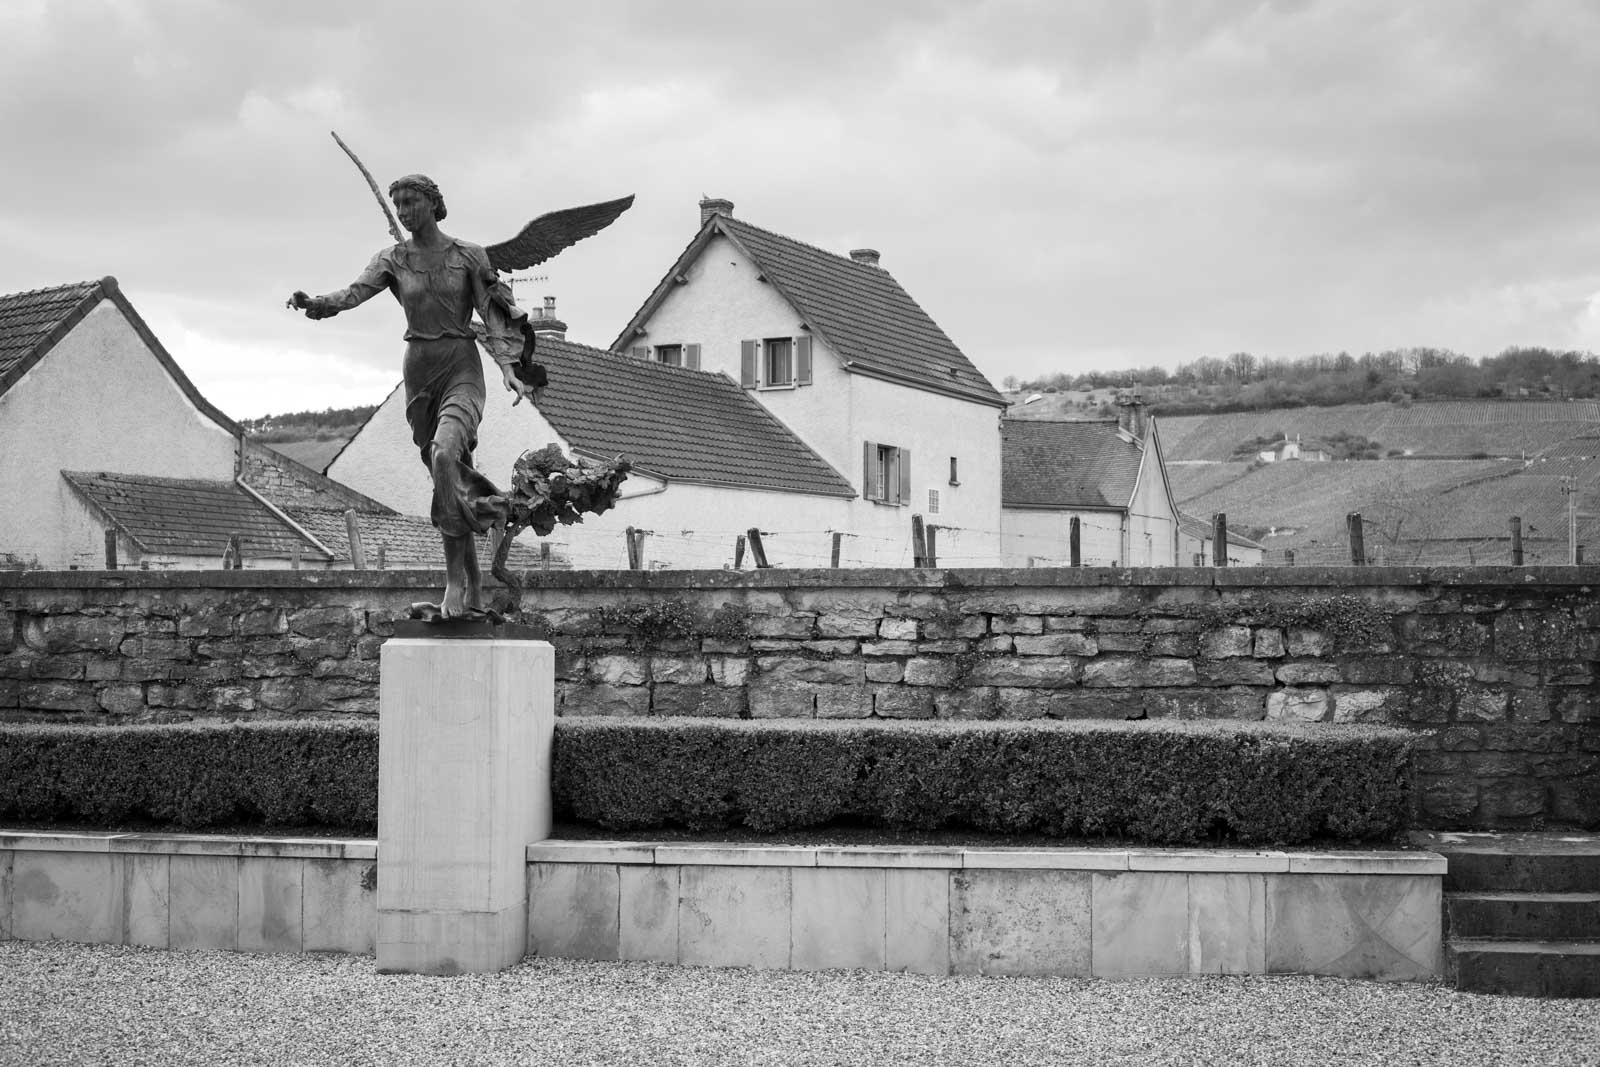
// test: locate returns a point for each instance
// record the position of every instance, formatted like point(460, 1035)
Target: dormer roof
point(681, 424)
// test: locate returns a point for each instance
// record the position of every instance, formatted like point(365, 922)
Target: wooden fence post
point(932, 557)
point(919, 543)
point(1516, 541)
point(544, 555)
point(738, 553)
point(111, 550)
point(1577, 555)
point(1075, 541)
point(1288, 557)
point(1219, 539)
point(838, 539)
point(358, 551)
point(633, 549)
point(382, 557)
point(758, 552)
point(1358, 545)
point(236, 551)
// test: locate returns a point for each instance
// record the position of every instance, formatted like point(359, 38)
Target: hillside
point(1413, 511)
point(1455, 428)
point(309, 437)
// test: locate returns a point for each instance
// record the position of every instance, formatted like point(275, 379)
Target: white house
point(838, 351)
point(1107, 475)
point(101, 433)
point(709, 462)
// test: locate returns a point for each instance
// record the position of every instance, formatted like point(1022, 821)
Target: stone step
point(1524, 916)
point(1517, 862)
point(1526, 968)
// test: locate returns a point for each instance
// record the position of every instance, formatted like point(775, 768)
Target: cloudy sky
point(1063, 185)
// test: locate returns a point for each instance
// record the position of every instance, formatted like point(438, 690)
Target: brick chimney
point(713, 206)
point(1132, 418)
point(867, 256)
point(545, 323)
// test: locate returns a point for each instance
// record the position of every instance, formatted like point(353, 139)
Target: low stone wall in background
point(1493, 667)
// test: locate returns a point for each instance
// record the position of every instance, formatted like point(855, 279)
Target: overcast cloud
point(1063, 186)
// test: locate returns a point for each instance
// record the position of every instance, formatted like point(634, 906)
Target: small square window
point(779, 362)
point(671, 355)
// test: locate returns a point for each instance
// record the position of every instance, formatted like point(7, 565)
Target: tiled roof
point(408, 541)
point(862, 313)
point(1202, 530)
point(189, 517)
point(687, 425)
point(1066, 464)
point(27, 320)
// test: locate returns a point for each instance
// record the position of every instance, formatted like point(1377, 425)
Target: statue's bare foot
point(454, 604)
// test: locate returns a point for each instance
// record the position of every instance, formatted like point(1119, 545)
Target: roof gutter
point(927, 386)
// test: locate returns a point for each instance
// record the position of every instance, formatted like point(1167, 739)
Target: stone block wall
point(1493, 667)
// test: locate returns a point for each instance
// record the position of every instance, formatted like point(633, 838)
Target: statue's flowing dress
point(439, 289)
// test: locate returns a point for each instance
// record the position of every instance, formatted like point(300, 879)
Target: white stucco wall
point(1041, 537)
point(1152, 518)
point(723, 304)
point(697, 526)
point(98, 401)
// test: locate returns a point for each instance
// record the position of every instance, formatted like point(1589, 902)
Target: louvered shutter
point(802, 361)
point(902, 475)
point(691, 356)
point(870, 489)
point(641, 351)
point(747, 364)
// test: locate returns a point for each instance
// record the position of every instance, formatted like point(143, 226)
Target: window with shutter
point(871, 473)
point(691, 356)
point(779, 363)
point(802, 361)
point(671, 355)
point(747, 364)
point(641, 351)
point(886, 473)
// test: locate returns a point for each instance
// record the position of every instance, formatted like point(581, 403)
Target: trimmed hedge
point(1158, 782)
point(193, 775)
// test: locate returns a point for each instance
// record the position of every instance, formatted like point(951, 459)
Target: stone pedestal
point(464, 737)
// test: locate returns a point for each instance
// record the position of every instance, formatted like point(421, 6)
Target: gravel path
point(82, 1004)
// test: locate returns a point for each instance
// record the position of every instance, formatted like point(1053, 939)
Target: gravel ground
point(79, 1004)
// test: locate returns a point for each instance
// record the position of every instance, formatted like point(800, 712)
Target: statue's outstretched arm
point(374, 280)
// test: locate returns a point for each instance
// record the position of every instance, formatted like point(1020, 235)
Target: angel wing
point(548, 235)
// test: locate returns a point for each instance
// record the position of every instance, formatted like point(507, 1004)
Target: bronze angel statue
point(440, 281)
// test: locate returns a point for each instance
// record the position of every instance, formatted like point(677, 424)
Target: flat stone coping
point(1582, 578)
point(1191, 861)
point(319, 848)
point(635, 853)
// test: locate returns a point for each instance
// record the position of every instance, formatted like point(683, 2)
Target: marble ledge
point(320, 848)
point(1191, 861)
